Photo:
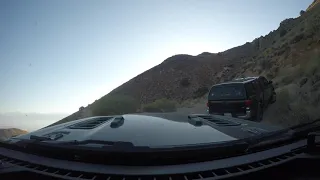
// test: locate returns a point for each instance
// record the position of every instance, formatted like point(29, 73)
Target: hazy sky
point(56, 56)
point(28, 121)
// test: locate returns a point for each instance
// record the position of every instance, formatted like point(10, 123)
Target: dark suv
point(243, 98)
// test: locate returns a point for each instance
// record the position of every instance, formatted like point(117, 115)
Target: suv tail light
point(248, 102)
point(207, 104)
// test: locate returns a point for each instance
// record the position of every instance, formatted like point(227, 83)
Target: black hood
point(143, 139)
point(154, 129)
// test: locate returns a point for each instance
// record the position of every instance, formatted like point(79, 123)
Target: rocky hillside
point(288, 55)
point(7, 133)
point(315, 2)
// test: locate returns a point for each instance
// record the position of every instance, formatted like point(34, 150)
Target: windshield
point(157, 73)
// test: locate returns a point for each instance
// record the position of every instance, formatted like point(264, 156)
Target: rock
point(81, 108)
point(316, 86)
point(297, 38)
point(316, 78)
point(286, 21)
point(303, 81)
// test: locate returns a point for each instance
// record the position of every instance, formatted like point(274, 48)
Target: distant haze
point(28, 121)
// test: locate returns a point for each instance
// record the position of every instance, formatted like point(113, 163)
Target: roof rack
point(244, 79)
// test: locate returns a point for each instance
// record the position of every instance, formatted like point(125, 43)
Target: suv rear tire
point(259, 115)
point(273, 98)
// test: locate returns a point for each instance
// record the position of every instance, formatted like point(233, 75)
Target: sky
point(56, 56)
point(28, 121)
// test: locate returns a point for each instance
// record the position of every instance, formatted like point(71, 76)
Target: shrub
point(114, 104)
point(290, 113)
point(233, 76)
point(265, 64)
point(185, 82)
point(270, 76)
point(283, 97)
point(283, 32)
point(302, 12)
point(312, 66)
point(288, 79)
point(267, 51)
point(81, 108)
point(297, 38)
point(200, 92)
point(160, 105)
point(303, 81)
point(316, 99)
point(282, 103)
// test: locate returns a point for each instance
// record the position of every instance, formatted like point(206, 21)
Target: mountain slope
point(313, 4)
point(284, 55)
point(7, 133)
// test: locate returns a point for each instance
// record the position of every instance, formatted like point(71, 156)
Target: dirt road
point(201, 108)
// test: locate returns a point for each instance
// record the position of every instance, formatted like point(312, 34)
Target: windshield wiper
point(99, 142)
point(38, 141)
point(234, 145)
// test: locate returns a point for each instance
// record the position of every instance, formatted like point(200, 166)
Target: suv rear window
point(227, 92)
point(250, 89)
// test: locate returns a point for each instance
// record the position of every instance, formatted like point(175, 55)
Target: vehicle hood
point(156, 130)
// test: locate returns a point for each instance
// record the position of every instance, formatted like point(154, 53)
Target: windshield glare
point(247, 68)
